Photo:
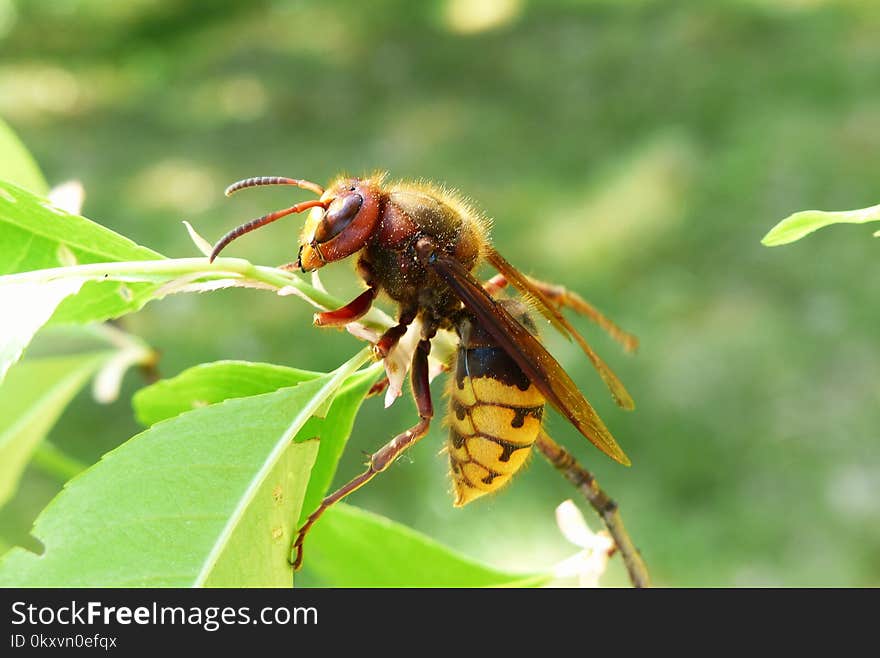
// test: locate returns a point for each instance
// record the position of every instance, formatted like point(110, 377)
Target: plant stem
point(196, 270)
point(161, 270)
point(607, 509)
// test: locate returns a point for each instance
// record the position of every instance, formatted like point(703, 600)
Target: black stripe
point(492, 362)
point(507, 447)
point(519, 413)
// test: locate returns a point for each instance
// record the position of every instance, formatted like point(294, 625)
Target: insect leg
point(562, 297)
point(355, 309)
point(385, 456)
point(379, 387)
point(391, 337)
point(495, 285)
point(585, 482)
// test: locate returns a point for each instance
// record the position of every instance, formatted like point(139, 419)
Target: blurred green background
point(636, 152)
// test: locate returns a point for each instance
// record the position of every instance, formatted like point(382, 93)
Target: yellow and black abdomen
point(495, 417)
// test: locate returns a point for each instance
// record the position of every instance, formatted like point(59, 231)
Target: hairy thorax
point(408, 213)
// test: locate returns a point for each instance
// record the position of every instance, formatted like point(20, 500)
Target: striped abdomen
point(495, 416)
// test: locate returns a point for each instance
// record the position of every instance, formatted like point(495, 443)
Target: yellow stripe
point(498, 422)
point(488, 453)
point(459, 454)
point(464, 494)
point(475, 474)
point(489, 416)
point(492, 391)
point(464, 393)
point(464, 426)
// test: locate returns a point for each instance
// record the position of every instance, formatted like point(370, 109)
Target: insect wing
point(520, 282)
point(529, 354)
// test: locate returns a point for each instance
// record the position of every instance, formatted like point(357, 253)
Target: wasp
point(420, 245)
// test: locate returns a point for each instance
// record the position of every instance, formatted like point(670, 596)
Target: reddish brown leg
point(494, 285)
point(386, 455)
point(391, 337)
point(584, 481)
point(355, 309)
point(378, 387)
point(564, 298)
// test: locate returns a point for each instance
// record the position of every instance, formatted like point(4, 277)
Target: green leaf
point(796, 226)
point(210, 383)
point(27, 307)
point(81, 272)
point(334, 431)
point(257, 550)
point(354, 548)
point(31, 400)
point(36, 235)
point(17, 165)
point(172, 506)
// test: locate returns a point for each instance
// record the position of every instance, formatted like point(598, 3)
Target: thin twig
point(584, 482)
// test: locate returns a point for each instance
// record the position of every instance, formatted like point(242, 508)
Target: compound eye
point(338, 216)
